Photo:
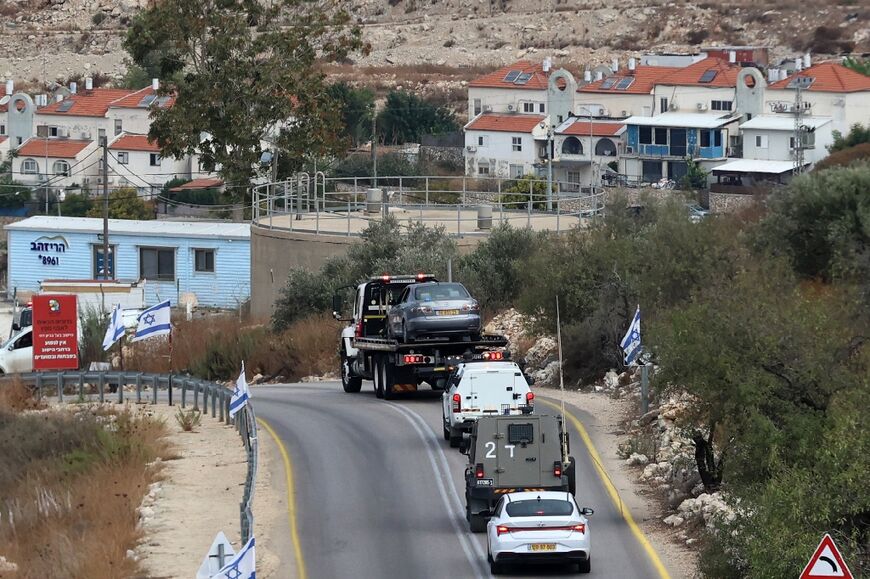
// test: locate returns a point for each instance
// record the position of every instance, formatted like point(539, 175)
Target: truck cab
point(488, 385)
point(512, 454)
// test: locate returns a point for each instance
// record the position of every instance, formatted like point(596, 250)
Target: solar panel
point(609, 82)
point(147, 100)
point(161, 102)
point(708, 75)
point(625, 83)
point(523, 78)
point(801, 81)
point(512, 75)
point(65, 106)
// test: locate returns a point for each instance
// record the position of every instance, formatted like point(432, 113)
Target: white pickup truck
point(483, 388)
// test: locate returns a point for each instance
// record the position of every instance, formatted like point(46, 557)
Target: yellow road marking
point(291, 500)
point(614, 494)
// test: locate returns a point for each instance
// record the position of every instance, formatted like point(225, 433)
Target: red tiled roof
point(133, 100)
point(56, 148)
point(582, 128)
point(496, 79)
point(199, 184)
point(726, 74)
point(506, 122)
point(3, 140)
point(127, 142)
point(829, 77)
point(92, 103)
point(645, 79)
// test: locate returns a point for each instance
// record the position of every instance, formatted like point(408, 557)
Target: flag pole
point(170, 364)
point(121, 350)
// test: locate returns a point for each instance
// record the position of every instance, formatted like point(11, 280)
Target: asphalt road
point(379, 492)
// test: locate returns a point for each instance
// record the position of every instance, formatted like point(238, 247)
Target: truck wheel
point(455, 439)
point(376, 378)
point(387, 380)
point(571, 473)
point(477, 524)
point(349, 382)
point(446, 432)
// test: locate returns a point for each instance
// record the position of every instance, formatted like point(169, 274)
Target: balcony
point(676, 152)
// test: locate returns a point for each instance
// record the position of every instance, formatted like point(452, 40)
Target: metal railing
point(202, 394)
point(319, 204)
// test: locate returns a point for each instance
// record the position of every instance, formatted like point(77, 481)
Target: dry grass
point(15, 396)
point(72, 480)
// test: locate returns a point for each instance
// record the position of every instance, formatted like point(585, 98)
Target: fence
point(316, 203)
point(111, 385)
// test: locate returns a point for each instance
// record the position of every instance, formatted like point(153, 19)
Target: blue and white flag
point(630, 344)
point(115, 330)
point(155, 321)
point(240, 394)
point(243, 566)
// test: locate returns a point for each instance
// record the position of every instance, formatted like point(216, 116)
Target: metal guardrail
point(202, 394)
point(328, 200)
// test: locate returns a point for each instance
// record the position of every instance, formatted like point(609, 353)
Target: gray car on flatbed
point(511, 454)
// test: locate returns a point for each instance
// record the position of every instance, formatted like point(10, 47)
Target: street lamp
point(545, 125)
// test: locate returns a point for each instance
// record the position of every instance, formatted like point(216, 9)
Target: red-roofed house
point(56, 163)
point(131, 112)
point(828, 89)
point(517, 88)
point(707, 86)
point(505, 144)
point(135, 161)
point(575, 139)
point(622, 95)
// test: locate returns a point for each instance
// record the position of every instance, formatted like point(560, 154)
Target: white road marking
point(477, 559)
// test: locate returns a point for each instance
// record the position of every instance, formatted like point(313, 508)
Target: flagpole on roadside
point(170, 365)
point(121, 351)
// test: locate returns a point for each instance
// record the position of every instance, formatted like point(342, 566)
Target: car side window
point(499, 507)
point(404, 297)
point(24, 341)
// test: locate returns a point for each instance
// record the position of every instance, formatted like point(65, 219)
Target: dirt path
point(605, 430)
point(199, 496)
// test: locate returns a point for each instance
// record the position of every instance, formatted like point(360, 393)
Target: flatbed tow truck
point(395, 367)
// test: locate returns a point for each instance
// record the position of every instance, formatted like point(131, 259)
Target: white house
point(621, 95)
point(135, 161)
point(505, 144)
point(771, 138)
point(828, 89)
point(131, 113)
point(56, 163)
point(583, 150)
point(708, 85)
point(518, 88)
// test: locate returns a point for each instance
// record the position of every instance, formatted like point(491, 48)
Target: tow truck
point(367, 353)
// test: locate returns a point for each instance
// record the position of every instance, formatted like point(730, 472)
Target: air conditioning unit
point(85, 136)
point(471, 149)
point(624, 114)
point(63, 132)
point(673, 107)
point(702, 106)
point(42, 177)
point(602, 112)
point(487, 108)
point(510, 108)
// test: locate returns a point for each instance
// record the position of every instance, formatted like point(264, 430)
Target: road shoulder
point(603, 417)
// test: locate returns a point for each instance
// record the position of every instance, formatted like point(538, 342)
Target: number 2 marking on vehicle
point(511, 448)
point(491, 449)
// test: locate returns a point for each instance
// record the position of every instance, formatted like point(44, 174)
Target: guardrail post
point(529, 207)
point(205, 391)
point(227, 399)
point(101, 384)
point(121, 383)
point(221, 403)
point(213, 402)
point(195, 396)
point(81, 386)
point(38, 386)
point(459, 221)
point(464, 189)
point(184, 393)
point(59, 387)
point(427, 192)
point(154, 390)
point(139, 388)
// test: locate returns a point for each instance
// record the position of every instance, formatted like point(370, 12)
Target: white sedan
point(538, 527)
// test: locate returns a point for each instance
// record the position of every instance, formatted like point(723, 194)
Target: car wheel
point(350, 383)
point(585, 566)
point(376, 378)
point(387, 380)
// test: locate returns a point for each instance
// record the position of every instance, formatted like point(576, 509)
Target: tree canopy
point(243, 73)
point(124, 203)
point(406, 117)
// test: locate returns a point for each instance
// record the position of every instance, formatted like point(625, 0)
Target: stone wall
point(729, 202)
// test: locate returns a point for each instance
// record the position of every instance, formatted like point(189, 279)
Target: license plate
point(484, 482)
point(542, 547)
point(447, 312)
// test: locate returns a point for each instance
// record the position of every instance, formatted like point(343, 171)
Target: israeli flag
point(240, 394)
point(155, 321)
point(115, 330)
point(243, 566)
point(631, 342)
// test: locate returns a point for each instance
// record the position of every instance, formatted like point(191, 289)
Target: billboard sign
point(55, 332)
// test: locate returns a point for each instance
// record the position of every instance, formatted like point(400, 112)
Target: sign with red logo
point(55, 333)
point(826, 562)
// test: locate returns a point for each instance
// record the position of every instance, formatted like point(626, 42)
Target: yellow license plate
point(447, 312)
point(542, 547)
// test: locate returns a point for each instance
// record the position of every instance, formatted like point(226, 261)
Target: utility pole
point(374, 146)
point(105, 172)
point(798, 130)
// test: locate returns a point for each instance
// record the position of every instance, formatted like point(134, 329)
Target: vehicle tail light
point(413, 359)
point(358, 332)
point(530, 398)
point(478, 470)
point(471, 307)
point(581, 528)
point(557, 469)
point(385, 278)
point(501, 530)
point(457, 403)
point(493, 356)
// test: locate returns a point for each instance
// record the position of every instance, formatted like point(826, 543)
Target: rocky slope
point(46, 39)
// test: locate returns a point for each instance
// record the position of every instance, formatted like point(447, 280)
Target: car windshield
point(442, 291)
point(540, 508)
